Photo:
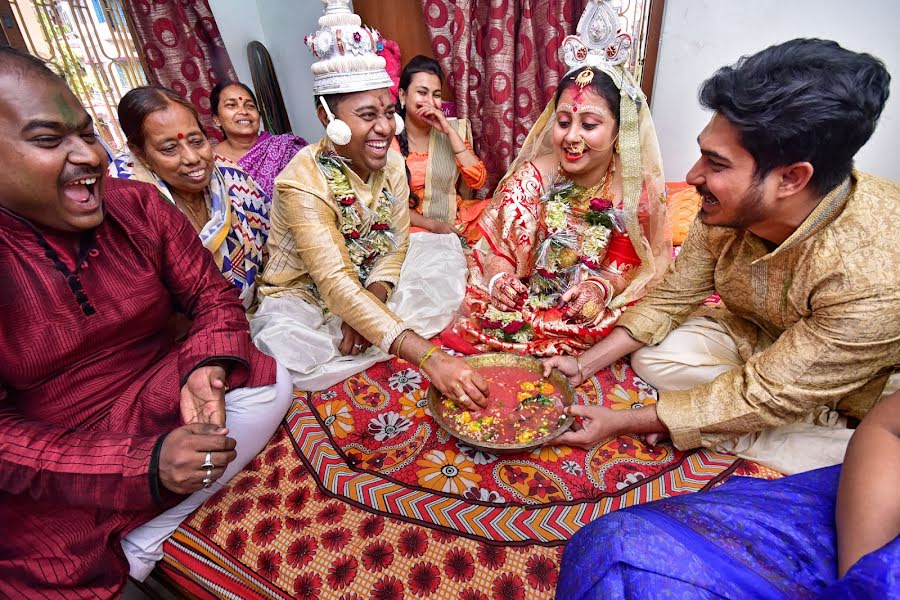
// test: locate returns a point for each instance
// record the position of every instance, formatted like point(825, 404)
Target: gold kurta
point(307, 254)
point(817, 320)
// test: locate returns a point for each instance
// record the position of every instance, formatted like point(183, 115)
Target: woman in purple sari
point(259, 153)
point(820, 534)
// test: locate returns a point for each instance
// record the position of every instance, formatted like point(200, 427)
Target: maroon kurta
point(90, 378)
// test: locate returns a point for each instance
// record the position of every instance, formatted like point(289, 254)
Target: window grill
point(89, 43)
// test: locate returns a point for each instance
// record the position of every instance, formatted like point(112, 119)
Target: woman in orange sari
point(438, 153)
point(578, 228)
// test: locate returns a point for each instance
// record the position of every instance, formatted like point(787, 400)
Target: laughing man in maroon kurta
point(94, 394)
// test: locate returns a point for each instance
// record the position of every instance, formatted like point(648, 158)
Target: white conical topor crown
point(347, 53)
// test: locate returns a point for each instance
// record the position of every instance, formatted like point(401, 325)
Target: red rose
point(547, 274)
point(514, 327)
point(488, 324)
point(381, 226)
point(353, 235)
point(347, 200)
point(600, 204)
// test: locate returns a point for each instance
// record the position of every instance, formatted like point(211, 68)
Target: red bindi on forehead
point(240, 98)
point(180, 136)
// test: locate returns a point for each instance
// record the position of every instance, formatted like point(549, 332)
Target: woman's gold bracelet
point(427, 355)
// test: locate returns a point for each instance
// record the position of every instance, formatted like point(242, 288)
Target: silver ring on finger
point(463, 398)
point(207, 481)
point(207, 464)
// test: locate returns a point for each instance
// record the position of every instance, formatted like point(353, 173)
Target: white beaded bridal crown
point(600, 44)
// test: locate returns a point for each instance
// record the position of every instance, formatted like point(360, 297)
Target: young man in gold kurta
point(802, 250)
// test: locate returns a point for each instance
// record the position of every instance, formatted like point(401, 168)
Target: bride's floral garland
point(564, 257)
point(364, 249)
point(565, 253)
point(507, 326)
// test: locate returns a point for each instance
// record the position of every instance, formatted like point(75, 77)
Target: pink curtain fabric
point(501, 59)
point(182, 49)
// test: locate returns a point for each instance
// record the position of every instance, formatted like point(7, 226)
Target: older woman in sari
point(167, 148)
point(260, 154)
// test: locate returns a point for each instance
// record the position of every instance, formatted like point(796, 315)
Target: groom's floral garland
point(364, 249)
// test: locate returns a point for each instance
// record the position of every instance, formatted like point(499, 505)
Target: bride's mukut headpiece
point(600, 44)
point(348, 61)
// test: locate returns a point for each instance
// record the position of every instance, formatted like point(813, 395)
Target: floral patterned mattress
point(360, 495)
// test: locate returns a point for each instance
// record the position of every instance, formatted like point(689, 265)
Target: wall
point(239, 24)
point(281, 26)
point(699, 36)
point(286, 23)
point(395, 22)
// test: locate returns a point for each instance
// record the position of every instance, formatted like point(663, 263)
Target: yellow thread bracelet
point(427, 355)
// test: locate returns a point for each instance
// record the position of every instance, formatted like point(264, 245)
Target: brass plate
point(497, 359)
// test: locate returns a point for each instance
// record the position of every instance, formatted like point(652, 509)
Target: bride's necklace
point(601, 189)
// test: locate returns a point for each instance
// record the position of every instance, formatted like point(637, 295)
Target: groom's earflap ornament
point(337, 131)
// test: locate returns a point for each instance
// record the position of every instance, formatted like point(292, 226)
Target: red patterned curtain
point(501, 59)
point(182, 49)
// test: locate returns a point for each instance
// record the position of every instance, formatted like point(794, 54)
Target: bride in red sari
point(578, 229)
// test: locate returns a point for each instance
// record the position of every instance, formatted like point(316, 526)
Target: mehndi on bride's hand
point(508, 293)
point(586, 301)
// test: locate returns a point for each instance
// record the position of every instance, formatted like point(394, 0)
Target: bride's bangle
point(604, 286)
